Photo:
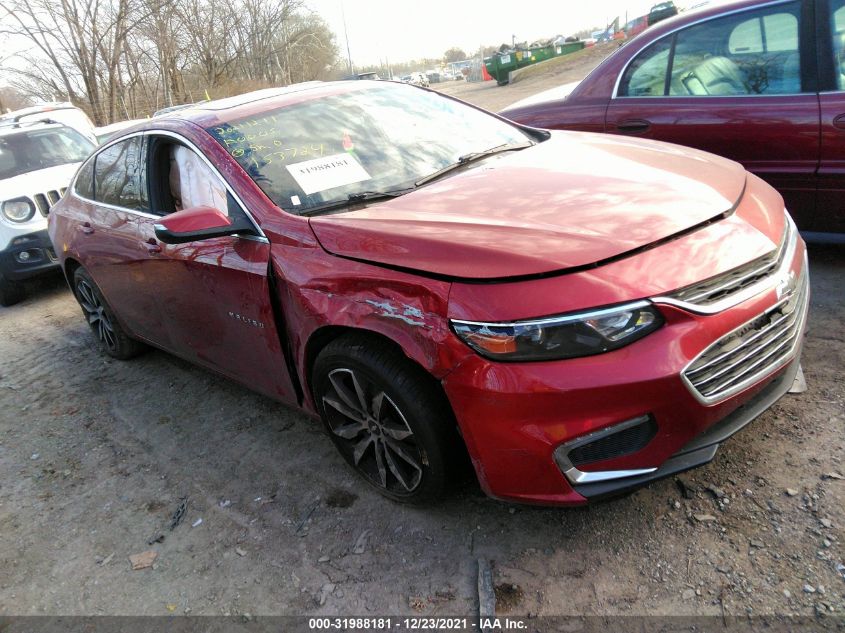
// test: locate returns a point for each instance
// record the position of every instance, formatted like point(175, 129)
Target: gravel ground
point(96, 456)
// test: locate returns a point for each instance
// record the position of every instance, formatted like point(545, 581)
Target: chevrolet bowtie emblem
point(785, 285)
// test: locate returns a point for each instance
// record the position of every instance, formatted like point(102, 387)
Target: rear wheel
point(386, 417)
point(111, 338)
point(10, 292)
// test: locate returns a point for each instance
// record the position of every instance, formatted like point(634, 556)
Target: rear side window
point(84, 185)
point(118, 175)
point(750, 53)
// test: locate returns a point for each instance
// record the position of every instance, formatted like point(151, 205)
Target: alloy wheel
point(373, 432)
point(96, 314)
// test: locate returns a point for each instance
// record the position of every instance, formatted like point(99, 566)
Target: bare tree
point(128, 58)
point(81, 42)
point(211, 49)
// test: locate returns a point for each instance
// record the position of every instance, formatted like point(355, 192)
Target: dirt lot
point(95, 456)
point(531, 80)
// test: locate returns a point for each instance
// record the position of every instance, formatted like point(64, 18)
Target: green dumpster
point(501, 64)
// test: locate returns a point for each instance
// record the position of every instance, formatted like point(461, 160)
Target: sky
point(382, 31)
point(400, 30)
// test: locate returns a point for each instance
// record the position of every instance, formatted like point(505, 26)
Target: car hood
point(572, 201)
point(40, 181)
point(554, 94)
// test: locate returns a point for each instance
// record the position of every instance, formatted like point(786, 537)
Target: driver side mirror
point(199, 223)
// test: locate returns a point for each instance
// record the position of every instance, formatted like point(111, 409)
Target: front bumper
point(701, 449)
point(515, 416)
point(27, 256)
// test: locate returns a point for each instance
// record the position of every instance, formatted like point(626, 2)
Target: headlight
point(18, 210)
point(565, 336)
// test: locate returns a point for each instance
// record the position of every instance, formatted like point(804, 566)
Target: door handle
point(86, 228)
point(633, 126)
point(152, 246)
point(839, 122)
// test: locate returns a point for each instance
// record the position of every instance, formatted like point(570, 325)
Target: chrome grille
point(45, 201)
point(753, 350)
point(715, 289)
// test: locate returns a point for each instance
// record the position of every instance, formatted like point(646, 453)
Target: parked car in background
point(636, 26)
point(592, 313)
point(661, 11)
point(105, 132)
point(760, 82)
point(61, 112)
point(419, 79)
point(37, 162)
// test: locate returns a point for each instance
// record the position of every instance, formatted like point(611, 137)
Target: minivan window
point(118, 175)
point(750, 53)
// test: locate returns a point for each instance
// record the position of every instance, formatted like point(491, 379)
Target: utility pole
point(346, 35)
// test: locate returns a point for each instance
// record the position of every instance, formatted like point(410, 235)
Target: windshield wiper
point(352, 198)
point(471, 158)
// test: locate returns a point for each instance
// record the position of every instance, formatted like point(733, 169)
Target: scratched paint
point(403, 313)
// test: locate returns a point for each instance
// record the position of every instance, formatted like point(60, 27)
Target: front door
point(214, 294)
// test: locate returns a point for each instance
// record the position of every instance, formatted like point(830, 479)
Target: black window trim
point(808, 61)
point(187, 143)
point(824, 36)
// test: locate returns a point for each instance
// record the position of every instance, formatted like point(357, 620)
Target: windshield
point(40, 149)
point(384, 138)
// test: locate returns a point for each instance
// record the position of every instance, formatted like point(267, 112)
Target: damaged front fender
point(315, 293)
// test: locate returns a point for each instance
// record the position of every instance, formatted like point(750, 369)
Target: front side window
point(40, 149)
point(837, 30)
point(646, 76)
point(118, 175)
point(750, 53)
point(193, 183)
point(369, 139)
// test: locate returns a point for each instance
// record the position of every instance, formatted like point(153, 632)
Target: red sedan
point(760, 82)
point(577, 313)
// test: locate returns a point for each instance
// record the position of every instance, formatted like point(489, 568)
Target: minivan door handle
point(86, 228)
point(633, 126)
point(839, 122)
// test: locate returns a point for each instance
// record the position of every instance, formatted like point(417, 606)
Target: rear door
point(214, 295)
point(830, 216)
point(112, 185)
point(743, 86)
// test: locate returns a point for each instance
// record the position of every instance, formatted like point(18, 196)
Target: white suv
point(37, 162)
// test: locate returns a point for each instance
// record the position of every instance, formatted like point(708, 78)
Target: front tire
point(10, 292)
point(110, 336)
point(386, 417)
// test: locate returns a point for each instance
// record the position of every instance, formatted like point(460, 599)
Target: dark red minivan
point(759, 81)
point(579, 314)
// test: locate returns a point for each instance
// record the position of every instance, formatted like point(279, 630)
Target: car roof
point(38, 109)
point(715, 7)
point(712, 9)
point(255, 103)
point(7, 128)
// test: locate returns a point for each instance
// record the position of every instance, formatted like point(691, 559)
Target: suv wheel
point(10, 292)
